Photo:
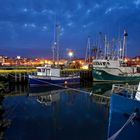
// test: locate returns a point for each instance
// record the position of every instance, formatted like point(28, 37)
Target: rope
point(63, 86)
point(114, 136)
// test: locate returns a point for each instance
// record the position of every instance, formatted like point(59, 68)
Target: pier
point(16, 75)
point(86, 75)
point(20, 75)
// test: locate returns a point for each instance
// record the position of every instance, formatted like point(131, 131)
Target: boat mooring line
point(130, 119)
point(63, 86)
point(87, 92)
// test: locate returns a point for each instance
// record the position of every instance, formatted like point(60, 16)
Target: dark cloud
point(29, 24)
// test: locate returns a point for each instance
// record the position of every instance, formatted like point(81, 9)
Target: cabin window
point(48, 71)
point(38, 70)
point(43, 70)
point(108, 63)
point(104, 63)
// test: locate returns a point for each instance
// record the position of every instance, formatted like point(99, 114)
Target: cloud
point(70, 24)
point(48, 11)
point(29, 25)
point(109, 10)
point(97, 6)
point(62, 31)
point(90, 16)
point(79, 6)
point(44, 28)
point(88, 25)
point(137, 2)
point(68, 15)
point(84, 26)
point(25, 10)
point(88, 11)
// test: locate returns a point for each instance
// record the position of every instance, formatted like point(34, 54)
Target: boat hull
point(120, 110)
point(103, 76)
point(34, 80)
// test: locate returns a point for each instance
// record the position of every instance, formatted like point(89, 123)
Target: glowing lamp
point(70, 54)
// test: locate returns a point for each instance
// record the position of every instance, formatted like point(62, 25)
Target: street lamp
point(70, 54)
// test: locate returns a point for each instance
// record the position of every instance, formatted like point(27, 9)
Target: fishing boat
point(124, 115)
point(113, 68)
point(52, 75)
point(114, 71)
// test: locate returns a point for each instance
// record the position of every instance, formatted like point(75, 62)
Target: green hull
point(101, 75)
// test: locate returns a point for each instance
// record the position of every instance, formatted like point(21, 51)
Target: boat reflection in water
point(101, 93)
point(102, 88)
point(48, 99)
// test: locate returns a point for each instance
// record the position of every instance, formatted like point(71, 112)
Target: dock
point(20, 74)
point(16, 74)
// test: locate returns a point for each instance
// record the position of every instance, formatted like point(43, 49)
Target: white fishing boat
point(53, 75)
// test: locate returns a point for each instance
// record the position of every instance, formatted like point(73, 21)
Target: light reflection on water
point(56, 114)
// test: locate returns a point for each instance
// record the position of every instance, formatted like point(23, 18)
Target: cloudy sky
point(27, 26)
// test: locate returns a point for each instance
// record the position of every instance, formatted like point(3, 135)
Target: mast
point(100, 45)
point(124, 44)
point(105, 51)
point(88, 51)
point(53, 51)
point(120, 49)
point(57, 42)
point(55, 47)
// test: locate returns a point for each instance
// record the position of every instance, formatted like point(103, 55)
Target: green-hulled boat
point(112, 67)
point(103, 75)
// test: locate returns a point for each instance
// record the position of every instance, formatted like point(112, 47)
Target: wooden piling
point(86, 75)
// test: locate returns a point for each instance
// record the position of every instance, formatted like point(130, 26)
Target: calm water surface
point(61, 115)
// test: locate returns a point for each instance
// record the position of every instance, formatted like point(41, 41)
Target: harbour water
point(67, 114)
point(50, 112)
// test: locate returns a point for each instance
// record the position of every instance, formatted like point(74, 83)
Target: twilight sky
point(27, 26)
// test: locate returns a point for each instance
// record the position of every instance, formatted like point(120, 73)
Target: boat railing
point(131, 89)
